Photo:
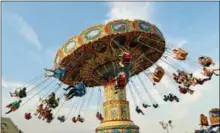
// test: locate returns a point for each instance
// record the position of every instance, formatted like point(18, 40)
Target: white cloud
point(25, 29)
point(129, 10)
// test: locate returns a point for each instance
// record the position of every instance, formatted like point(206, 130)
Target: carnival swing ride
point(112, 55)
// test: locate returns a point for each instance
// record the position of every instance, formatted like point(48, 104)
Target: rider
point(39, 109)
point(52, 99)
point(13, 106)
point(166, 98)
point(57, 73)
point(176, 78)
point(99, 116)
point(187, 83)
point(175, 98)
point(155, 105)
point(48, 115)
point(146, 105)
point(121, 81)
point(21, 93)
point(210, 72)
point(61, 118)
point(27, 116)
point(184, 90)
point(180, 54)
point(54, 103)
point(171, 97)
point(138, 110)
point(205, 61)
point(74, 119)
point(126, 59)
point(77, 90)
point(200, 81)
point(80, 119)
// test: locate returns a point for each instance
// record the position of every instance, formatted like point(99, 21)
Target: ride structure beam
point(116, 111)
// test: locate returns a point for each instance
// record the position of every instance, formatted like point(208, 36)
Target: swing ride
point(111, 55)
point(211, 126)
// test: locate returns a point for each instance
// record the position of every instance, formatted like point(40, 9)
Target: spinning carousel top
point(94, 54)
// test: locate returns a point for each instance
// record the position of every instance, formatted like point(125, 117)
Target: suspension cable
point(101, 103)
point(99, 99)
point(55, 90)
point(90, 97)
point(28, 83)
point(167, 50)
point(64, 101)
point(137, 91)
point(83, 102)
point(132, 96)
point(47, 93)
point(35, 87)
point(79, 102)
point(148, 93)
point(74, 103)
point(38, 92)
point(155, 87)
point(145, 56)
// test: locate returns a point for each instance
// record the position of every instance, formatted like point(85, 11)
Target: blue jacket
point(80, 89)
point(58, 73)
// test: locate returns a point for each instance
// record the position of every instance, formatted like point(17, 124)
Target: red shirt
point(183, 90)
point(126, 57)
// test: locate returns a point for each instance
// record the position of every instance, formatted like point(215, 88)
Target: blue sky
point(33, 31)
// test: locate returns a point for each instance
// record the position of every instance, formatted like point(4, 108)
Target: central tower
point(116, 112)
point(94, 56)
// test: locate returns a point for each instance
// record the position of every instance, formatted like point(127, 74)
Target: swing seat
point(156, 79)
point(122, 80)
point(158, 74)
point(126, 58)
point(180, 54)
point(122, 83)
point(205, 61)
point(27, 116)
